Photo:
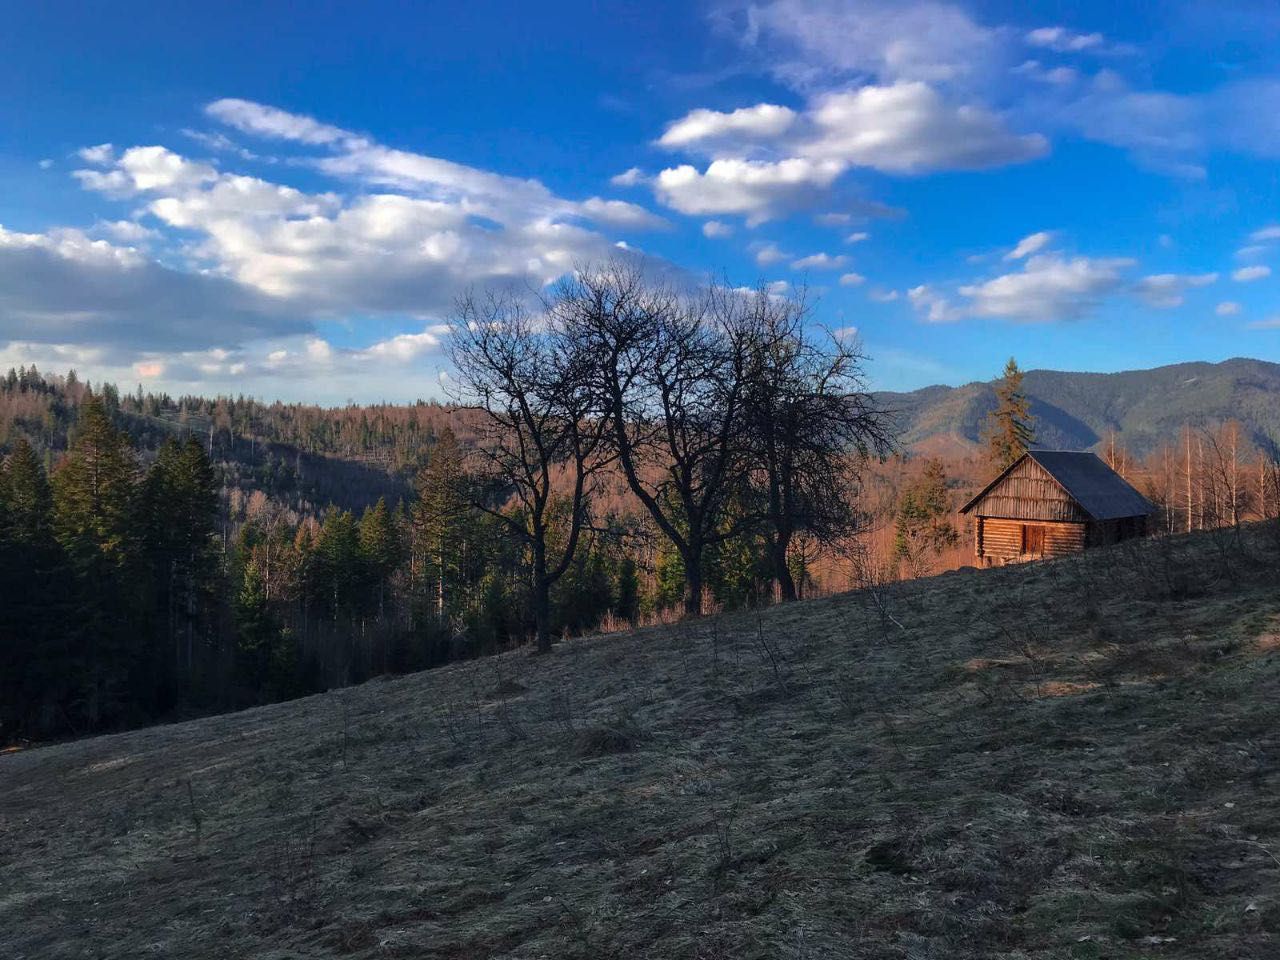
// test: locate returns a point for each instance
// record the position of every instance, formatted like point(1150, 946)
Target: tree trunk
point(693, 584)
point(541, 600)
point(781, 571)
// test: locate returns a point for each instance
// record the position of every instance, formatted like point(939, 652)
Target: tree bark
point(541, 599)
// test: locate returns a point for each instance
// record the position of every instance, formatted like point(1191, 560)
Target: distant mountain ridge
point(1078, 411)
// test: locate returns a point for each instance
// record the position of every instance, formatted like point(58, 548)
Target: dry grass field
point(1078, 759)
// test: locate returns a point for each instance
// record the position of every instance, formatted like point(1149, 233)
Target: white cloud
point(1227, 308)
point(250, 265)
point(1062, 40)
point(99, 156)
point(832, 219)
point(1049, 288)
point(271, 122)
point(857, 237)
point(714, 229)
point(765, 121)
point(1166, 290)
point(883, 296)
point(764, 169)
point(910, 128)
point(1055, 76)
point(768, 253)
point(630, 177)
point(1271, 323)
point(1032, 243)
point(1249, 274)
point(932, 306)
point(852, 279)
point(820, 261)
point(808, 42)
point(1266, 234)
point(758, 189)
point(66, 288)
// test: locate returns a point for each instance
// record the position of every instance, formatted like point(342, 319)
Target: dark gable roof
point(1101, 492)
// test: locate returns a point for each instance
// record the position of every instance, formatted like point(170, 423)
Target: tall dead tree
point(540, 445)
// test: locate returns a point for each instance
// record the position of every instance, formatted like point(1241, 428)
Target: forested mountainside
point(1079, 411)
point(306, 457)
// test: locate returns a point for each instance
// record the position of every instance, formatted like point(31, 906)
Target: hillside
point(1073, 759)
point(1076, 411)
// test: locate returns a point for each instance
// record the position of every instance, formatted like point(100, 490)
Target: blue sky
point(286, 202)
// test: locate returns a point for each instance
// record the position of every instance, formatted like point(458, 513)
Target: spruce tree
point(95, 520)
point(440, 521)
point(1010, 430)
point(380, 549)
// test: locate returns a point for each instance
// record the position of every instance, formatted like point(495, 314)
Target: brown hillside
point(1075, 759)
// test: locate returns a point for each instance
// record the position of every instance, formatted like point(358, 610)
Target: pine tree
point(1010, 430)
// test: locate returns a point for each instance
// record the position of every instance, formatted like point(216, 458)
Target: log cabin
point(1049, 503)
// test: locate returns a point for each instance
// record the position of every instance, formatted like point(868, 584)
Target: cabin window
point(1032, 539)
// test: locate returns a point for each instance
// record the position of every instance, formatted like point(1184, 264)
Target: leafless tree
point(541, 445)
point(670, 378)
point(810, 421)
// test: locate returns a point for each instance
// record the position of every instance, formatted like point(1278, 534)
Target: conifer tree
point(1010, 430)
point(94, 519)
point(440, 522)
point(923, 525)
point(380, 549)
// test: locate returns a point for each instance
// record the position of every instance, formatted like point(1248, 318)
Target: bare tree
point(670, 380)
point(810, 422)
point(540, 446)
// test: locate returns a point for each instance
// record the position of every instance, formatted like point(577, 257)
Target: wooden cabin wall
point(999, 540)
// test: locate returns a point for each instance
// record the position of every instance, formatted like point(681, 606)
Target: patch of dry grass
point(1076, 759)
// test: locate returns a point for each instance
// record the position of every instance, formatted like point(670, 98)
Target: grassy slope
point(1077, 759)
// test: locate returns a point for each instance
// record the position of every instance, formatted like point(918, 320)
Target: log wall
point(1001, 540)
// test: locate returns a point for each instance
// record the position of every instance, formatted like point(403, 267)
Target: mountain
point(1077, 411)
point(1075, 759)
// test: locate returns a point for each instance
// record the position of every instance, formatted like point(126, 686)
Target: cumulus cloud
point(765, 121)
point(214, 269)
point(857, 236)
point(633, 176)
point(932, 306)
point(820, 261)
point(1050, 287)
point(768, 253)
point(1250, 274)
point(1166, 290)
point(64, 287)
point(714, 229)
point(910, 128)
point(757, 189)
point(768, 161)
point(852, 279)
point(1227, 308)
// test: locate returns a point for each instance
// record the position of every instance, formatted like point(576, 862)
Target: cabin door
point(1033, 540)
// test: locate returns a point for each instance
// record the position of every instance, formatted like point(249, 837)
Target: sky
point(286, 201)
